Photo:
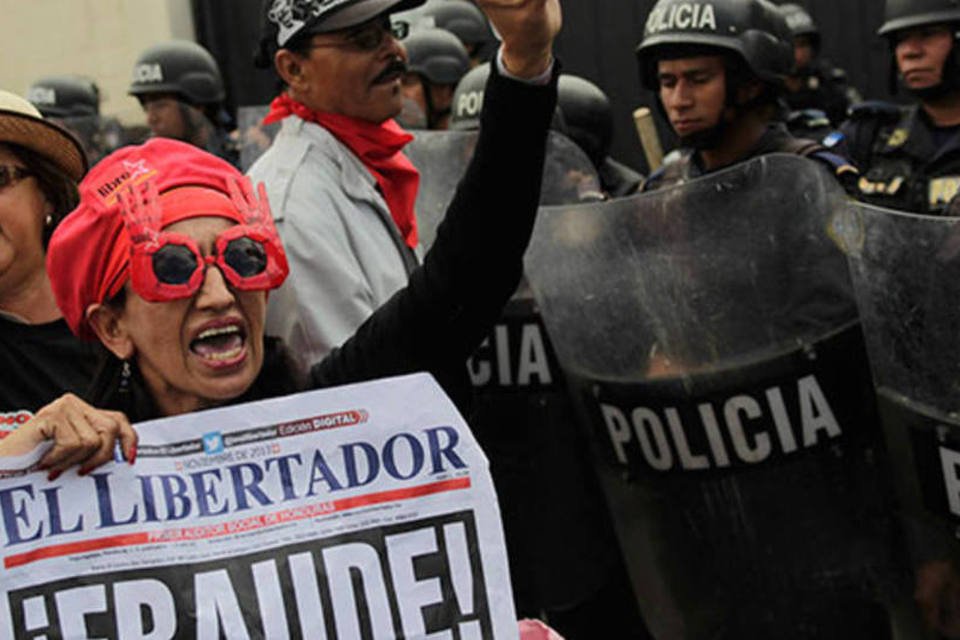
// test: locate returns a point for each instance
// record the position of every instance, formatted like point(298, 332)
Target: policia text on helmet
point(718, 68)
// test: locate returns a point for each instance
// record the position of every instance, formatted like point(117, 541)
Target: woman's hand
point(82, 435)
point(527, 28)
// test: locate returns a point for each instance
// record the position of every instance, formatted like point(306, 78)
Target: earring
point(125, 377)
point(48, 221)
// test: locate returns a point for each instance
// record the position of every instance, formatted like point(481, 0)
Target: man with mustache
point(718, 69)
point(910, 157)
point(341, 189)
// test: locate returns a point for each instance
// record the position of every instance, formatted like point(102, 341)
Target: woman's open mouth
point(221, 346)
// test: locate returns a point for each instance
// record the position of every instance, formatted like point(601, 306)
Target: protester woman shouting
point(170, 255)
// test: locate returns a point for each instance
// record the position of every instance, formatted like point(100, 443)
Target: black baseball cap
point(293, 18)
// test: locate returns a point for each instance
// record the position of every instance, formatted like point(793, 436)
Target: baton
point(649, 139)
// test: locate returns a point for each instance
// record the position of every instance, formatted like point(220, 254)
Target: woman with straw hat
point(40, 165)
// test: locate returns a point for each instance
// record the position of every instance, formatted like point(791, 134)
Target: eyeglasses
point(11, 174)
point(170, 266)
point(369, 36)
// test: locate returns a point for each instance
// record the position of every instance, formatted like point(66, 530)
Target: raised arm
point(476, 262)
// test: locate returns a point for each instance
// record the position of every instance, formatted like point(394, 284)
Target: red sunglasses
point(170, 266)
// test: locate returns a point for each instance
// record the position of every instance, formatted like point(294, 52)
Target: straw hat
point(22, 124)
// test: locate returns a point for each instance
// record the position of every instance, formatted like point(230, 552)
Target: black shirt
point(39, 363)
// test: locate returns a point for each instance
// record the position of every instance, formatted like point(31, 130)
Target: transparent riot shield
point(906, 271)
point(709, 334)
point(522, 414)
point(254, 137)
point(442, 158)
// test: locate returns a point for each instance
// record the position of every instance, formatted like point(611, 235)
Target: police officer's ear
point(748, 91)
point(289, 68)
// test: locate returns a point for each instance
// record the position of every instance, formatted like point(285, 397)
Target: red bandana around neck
point(379, 148)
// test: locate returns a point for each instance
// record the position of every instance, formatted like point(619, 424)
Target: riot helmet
point(806, 35)
point(65, 97)
point(902, 15)
point(468, 99)
point(464, 20)
point(907, 14)
point(436, 55)
point(753, 30)
point(801, 23)
point(436, 60)
point(181, 68)
point(802, 26)
point(468, 102)
point(587, 116)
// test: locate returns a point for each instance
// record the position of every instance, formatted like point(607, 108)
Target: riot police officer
point(179, 86)
point(65, 96)
point(436, 60)
point(74, 102)
point(719, 69)
point(814, 83)
point(910, 156)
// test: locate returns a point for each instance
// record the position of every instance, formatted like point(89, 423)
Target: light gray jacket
point(346, 254)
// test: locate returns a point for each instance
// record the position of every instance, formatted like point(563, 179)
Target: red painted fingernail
point(84, 472)
point(53, 475)
point(133, 454)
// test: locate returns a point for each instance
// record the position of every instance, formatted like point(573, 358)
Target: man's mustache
point(395, 68)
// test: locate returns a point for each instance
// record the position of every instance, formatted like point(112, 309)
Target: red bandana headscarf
point(88, 259)
point(379, 148)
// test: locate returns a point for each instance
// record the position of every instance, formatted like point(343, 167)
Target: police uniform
point(907, 163)
point(776, 139)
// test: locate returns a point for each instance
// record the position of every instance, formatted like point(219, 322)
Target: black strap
point(803, 147)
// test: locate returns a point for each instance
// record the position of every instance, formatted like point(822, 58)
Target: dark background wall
point(597, 43)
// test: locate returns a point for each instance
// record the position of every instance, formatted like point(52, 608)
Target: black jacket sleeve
point(476, 262)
